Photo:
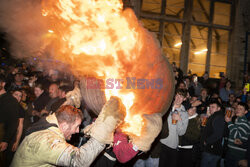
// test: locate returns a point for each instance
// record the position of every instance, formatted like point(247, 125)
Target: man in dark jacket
point(9, 109)
point(212, 136)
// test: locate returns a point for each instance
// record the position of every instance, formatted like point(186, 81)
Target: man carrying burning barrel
point(45, 143)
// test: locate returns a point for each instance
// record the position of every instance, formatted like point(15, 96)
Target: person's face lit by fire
point(70, 129)
point(53, 91)
point(17, 95)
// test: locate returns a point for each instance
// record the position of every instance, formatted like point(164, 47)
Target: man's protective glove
point(112, 114)
point(150, 130)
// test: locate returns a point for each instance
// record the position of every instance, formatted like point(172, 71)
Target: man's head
point(241, 109)
point(69, 119)
point(54, 75)
point(204, 92)
point(19, 77)
point(187, 81)
point(17, 94)
point(195, 78)
point(192, 111)
point(63, 90)
point(232, 97)
point(214, 106)
point(182, 85)
point(228, 84)
point(53, 90)
point(180, 96)
point(38, 89)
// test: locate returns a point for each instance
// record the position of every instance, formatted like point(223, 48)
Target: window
point(175, 8)
point(222, 13)
point(171, 43)
point(195, 60)
point(218, 60)
point(152, 6)
point(198, 50)
point(201, 10)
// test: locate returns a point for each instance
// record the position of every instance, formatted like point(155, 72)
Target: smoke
point(24, 25)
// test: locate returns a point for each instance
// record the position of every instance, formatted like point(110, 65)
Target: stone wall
point(242, 25)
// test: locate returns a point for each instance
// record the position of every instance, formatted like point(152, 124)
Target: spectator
point(205, 80)
point(32, 80)
point(181, 85)
point(238, 134)
point(204, 99)
point(186, 142)
point(231, 100)
point(226, 91)
point(212, 136)
point(63, 90)
point(17, 94)
point(42, 99)
point(244, 96)
point(54, 97)
point(18, 82)
point(9, 110)
point(168, 155)
point(53, 75)
point(223, 81)
point(196, 85)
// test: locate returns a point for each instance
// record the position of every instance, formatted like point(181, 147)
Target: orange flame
point(98, 38)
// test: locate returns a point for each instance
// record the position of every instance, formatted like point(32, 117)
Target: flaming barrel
point(148, 100)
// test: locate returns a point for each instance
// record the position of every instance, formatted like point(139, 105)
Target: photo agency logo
point(128, 83)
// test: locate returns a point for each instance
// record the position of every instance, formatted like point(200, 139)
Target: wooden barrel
point(93, 97)
point(147, 101)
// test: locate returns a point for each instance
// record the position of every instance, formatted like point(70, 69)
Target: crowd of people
point(206, 125)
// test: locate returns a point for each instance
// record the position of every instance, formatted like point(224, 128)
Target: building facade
point(200, 35)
